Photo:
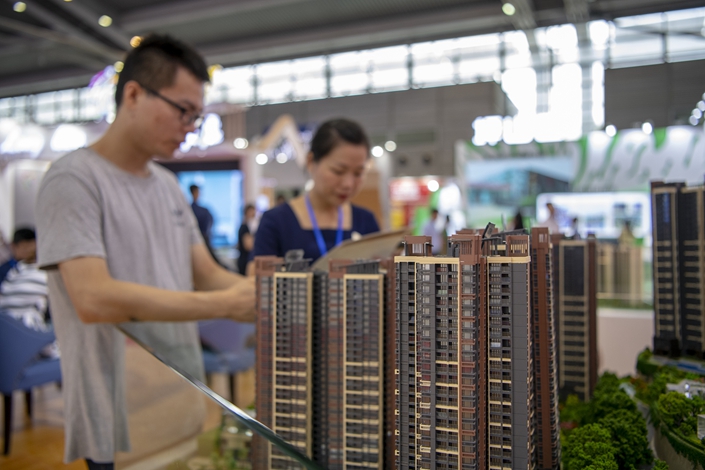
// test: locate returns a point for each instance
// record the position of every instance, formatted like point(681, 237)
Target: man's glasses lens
point(186, 118)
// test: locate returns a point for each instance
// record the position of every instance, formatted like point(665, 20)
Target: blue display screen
point(221, 194)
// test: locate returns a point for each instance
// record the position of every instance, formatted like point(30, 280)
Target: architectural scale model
point(321, 350)
point(577, 317)
point(284, 365)
point(678, 217)
point(544, 341)
point(421, 362)
point(476, 363)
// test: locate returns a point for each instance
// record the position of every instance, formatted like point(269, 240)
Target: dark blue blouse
point(279, 231)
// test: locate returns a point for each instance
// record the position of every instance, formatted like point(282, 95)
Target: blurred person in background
point(23, 288)
point(322, 218)
point(626, 236)
point(246, 237)
point(22, 248)
point(518, 223)
point(203, 217)
point(574, 233)
point(551, 222)
point(430, 229)
point(447, 232)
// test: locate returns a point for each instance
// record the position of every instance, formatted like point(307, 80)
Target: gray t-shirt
point(144, 229)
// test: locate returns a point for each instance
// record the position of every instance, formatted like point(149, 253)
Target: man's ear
point(130, 92)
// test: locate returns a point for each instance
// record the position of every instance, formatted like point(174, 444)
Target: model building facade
point(543, 334)
point(691, 235)
point(511, 419)
point(666, 262)
point(679, 259)
point(438, 423)
point(436, 362)
point(362, 366)
point(284, 358)
point(466, 367)
point(577, 318)
point(322, 386)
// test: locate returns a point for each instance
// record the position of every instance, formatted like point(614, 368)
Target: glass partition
point(228, 446)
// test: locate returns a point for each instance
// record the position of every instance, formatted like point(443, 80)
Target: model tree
point(608, 398)
point(574, 410)
point(660, 465)
point(679, 412)
point(628, 438)
point(590, 446)
point(612, 432)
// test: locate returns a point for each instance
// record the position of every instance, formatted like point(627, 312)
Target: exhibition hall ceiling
point(57, 44)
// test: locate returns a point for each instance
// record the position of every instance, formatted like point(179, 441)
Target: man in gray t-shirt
point(120, 244)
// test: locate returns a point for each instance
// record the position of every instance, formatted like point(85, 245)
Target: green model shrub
point(590, 446)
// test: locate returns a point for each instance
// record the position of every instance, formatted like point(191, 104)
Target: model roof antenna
point(489, 230)
point(294, 261)
point(293, 255)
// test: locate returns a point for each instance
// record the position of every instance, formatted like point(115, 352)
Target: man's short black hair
point(24, 234)
point(193, 188)
point(154, 62)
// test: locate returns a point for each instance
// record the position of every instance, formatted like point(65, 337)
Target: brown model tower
point(320, 363)
point(464, 363)
point(284, 361)
point(362, 365)
point(544, 351)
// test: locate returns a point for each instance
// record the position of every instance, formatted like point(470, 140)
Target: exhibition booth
point(533, 300)
point(598, 186)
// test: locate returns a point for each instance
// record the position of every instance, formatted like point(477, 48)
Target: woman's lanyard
point(317, 232)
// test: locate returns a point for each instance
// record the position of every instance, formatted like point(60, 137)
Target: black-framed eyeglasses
point(187, 117)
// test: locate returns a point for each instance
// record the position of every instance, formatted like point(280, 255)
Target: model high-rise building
point(388, 267)
point(691, 237)
point(511, 419)
point(543, 333)
point(284, 358)
point(679, 259)
point(466, 388)
point(666, 264)
point(437, 350)
point(445, 362)
point(362, 365)
point(320, 364)
point(577, 318)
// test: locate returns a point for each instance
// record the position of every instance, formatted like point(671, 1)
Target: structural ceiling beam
point(142, 20)
point(89, 16)
point(92, 47)
point(64, 32)
point(464, 21)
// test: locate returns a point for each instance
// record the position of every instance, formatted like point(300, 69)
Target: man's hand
point(241, 301)
point(235, 293)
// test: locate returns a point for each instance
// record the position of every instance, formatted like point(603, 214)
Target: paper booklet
point(377, 245)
